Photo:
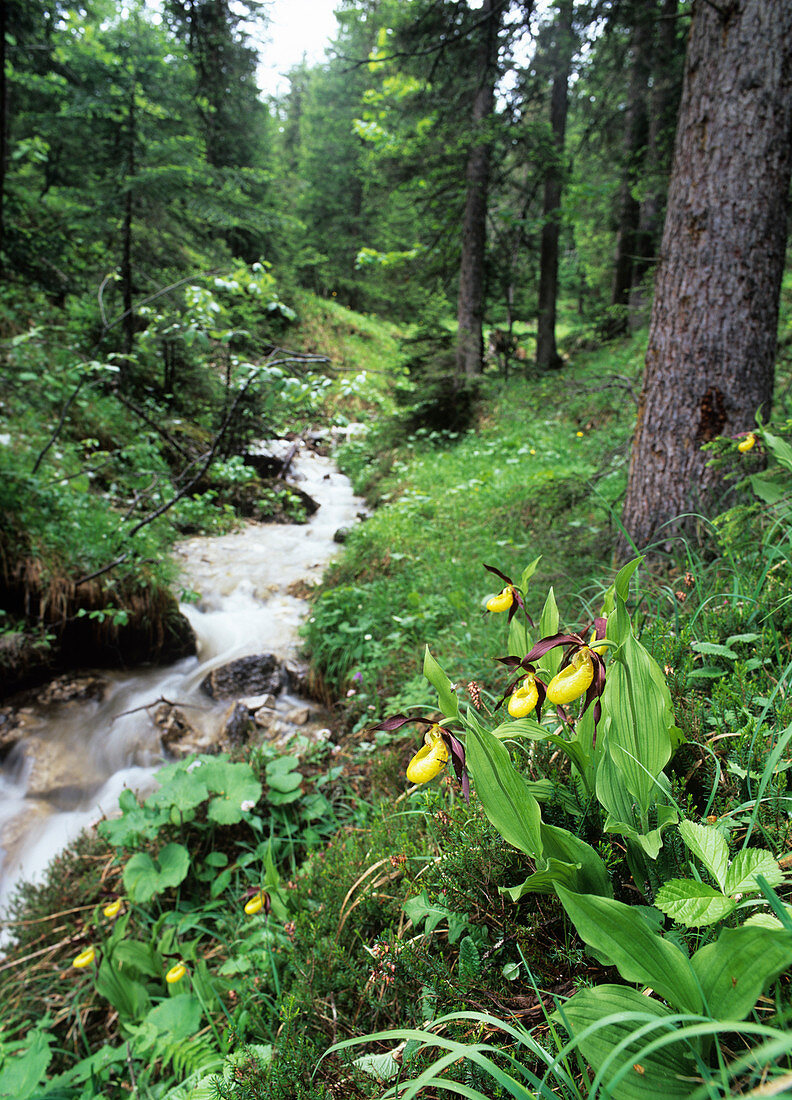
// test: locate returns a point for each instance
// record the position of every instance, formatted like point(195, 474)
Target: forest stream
point(75, 757)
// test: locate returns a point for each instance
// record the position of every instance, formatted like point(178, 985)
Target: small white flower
point(248, 804)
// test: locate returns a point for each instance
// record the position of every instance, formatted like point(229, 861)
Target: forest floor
point(383, 903)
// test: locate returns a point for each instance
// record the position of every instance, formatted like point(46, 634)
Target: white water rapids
point(75, 758)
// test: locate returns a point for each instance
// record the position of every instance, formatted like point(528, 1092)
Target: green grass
point(541, 475)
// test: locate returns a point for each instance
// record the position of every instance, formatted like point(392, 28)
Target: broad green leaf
point(637, 700)
point(447, 700)
point(592, 877)
point(284, 781)
point(663, 1073)
point(619, 936)
point(545, 878)
point(282, 764)
point(746, 865)
point(185, 791)
point(710, 846)
point(178, 1017)
point(234, 784)
point(128, 997)
point(548, 625)
point(736, 969)
point(144, 876)
point(780, 448)
point(21, 1073)
point(136, 956)
point(506, 800)
point(693, 903)
point(529, 727)
point(769, 486)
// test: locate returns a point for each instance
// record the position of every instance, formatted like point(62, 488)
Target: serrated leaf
point(746, 865)
point(735, 639)
point(692, 903)
point(710, 846)
point(713, 649)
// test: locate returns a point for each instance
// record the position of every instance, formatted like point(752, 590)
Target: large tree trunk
point(712, 340)
point(547, 357)
point(470, 307)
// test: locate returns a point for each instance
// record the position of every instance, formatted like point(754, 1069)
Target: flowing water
point(75, 758)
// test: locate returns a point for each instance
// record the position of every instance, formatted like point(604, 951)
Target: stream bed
point(74, 758)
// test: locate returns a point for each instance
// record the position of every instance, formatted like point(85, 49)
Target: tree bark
point(470, 305)
point(712, 339)
point(547, 357)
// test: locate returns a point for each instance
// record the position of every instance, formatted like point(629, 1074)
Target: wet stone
point(255, 703)
point(258, 675)
point(179, 737)
point(237, 724)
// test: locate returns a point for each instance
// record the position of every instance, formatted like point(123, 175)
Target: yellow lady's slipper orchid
point(503, 601)
point(113, 909)
point(574, 680)
point(430, 759)
point(85, 958)
point(747, 444)
point(255, 904)
point(524, 699)
point(176, 973)
point(600, 649)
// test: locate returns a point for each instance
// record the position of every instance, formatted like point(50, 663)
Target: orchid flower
point(84, 959)
point(582, 671)
point(507, 600)
point(176, 973)
point(439, 744)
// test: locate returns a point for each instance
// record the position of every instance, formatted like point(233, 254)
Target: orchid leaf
point(446, 698)
point(736, 969)
point(527, 573)
point(507, 802)
point(548, 625)
point(592, 877)
point(637, 700)
point(665, 1072)
point(619, 936)
point(544, 880)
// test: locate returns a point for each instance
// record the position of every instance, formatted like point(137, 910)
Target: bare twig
point(57, 430)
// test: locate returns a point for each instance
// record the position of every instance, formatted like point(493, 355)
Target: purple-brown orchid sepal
point(575, 645)
point(526, 666)
point(517, 600)
point(456, 749)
